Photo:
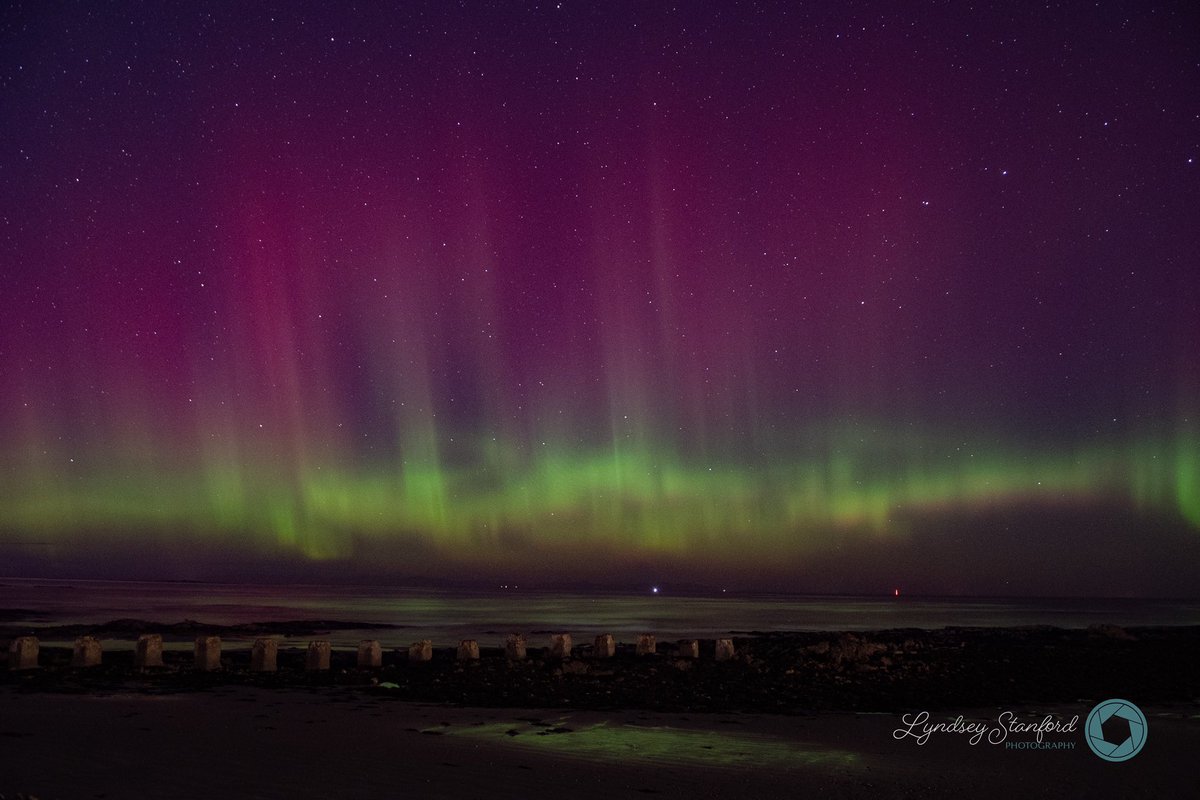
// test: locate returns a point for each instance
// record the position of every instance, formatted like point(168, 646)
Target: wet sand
point(793, 715)
point(238, 741)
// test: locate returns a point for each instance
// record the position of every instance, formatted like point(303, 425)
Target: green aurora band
point(636, 501)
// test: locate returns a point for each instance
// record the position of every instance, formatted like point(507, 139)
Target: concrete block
point(421, 651)
point(514, 647)
point(370, 655)
point(207, 653)
point(264, 657)
point(725, 651)
point(148, 652)
point(317, 659)
point(87, 652)
point(468, 650)
point(605, 646)
point(689, 648)
point(23, 653)
point(646, 646)
point(560, 645)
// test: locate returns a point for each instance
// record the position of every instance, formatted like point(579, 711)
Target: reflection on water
point(615, 743)
point(446, 617)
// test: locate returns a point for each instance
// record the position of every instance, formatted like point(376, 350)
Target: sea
point(447, 616)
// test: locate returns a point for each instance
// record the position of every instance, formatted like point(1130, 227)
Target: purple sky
point(844, 294)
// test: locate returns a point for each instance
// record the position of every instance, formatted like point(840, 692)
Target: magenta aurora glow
point(763, 295)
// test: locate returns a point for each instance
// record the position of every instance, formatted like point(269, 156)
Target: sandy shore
point(237, 741)
point(794, 715)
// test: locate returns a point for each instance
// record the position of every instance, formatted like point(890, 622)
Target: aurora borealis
point(827, 296)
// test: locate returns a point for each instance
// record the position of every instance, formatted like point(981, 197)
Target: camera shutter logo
point(1116, 730)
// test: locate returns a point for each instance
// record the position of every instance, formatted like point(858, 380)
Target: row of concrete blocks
point(23, 652)
point(605, 646)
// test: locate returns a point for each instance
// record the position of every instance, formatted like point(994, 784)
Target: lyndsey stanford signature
point(917, 726)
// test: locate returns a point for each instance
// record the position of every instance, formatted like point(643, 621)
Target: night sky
point(819, 297)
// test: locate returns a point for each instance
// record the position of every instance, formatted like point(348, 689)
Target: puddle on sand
point(616, 742)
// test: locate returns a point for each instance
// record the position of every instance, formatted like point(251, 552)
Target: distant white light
point(654, 590)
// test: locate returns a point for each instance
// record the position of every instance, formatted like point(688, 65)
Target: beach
point(238, 741)
point(826, 714)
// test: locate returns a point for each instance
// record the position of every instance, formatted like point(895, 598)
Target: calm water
point(446, 617)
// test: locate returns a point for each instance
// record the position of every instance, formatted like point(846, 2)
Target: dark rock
point(1106, 631)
